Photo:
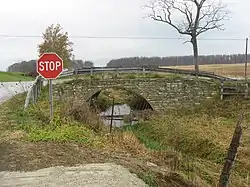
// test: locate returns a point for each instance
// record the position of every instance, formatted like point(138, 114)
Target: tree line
point(30, 66)
point(176, 60)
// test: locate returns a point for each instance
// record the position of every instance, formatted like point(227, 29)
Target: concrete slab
point(90, 175)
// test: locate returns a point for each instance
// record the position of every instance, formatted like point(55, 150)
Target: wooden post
point(221, 90)
point(116, 73)
point(246, 91)
point(36, 92)
point(38, 86)
point(103, 75)
point(143, 71)
point(91, 72)
point(112, 115)
point(76, 71)
point(33, 95)
point(232, 151)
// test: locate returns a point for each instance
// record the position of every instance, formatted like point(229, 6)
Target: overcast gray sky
point(108, 18)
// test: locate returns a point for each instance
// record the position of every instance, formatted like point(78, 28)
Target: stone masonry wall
point(161, 93)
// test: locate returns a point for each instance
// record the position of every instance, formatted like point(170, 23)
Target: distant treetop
point(176, 60)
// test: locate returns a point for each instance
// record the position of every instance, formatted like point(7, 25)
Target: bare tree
point(195, 17)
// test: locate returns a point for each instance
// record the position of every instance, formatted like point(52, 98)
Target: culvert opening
point(128, 106)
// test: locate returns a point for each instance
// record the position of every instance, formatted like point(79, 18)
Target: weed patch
point(71, 123)
point(148, 178)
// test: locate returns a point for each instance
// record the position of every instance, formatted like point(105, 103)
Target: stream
point(119, 110)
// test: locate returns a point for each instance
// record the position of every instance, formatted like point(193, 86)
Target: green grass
point(59, 133)
point(37, 126)
point(13, 77)
point(148, 178)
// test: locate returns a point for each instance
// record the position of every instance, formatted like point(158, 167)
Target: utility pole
point(246, 59)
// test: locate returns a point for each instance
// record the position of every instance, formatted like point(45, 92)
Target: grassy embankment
point(233, 70)
point(13, 77)
point(188, 146)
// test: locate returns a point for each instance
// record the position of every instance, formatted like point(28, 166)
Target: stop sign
point(49, 65)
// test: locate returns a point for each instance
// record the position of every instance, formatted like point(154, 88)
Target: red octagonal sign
point(49, 65)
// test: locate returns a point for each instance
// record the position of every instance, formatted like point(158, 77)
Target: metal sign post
point(50, 66)
point(51, 98)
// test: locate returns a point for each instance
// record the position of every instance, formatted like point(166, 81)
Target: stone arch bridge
point(160, 93)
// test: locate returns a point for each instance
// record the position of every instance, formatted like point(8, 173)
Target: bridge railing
point(67, 73)
point(35, 89)
point(152, 69)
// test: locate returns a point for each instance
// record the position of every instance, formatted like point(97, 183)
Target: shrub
point(81, 112)
point(102, 103)
point(197, 136)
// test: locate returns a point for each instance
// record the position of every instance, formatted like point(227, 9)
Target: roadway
point(10, 89)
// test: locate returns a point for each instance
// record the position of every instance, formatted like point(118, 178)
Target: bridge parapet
point(161, 93)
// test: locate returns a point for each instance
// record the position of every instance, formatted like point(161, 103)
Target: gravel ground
point(90, 175)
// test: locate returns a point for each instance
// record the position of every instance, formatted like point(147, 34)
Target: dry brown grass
point(203, 137)
point(233, 70)
point(81, 112)
point(126, 142)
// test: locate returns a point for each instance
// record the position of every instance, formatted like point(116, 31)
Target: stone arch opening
point(137, 101)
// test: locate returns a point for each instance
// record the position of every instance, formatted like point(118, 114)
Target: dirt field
point(233, 70)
